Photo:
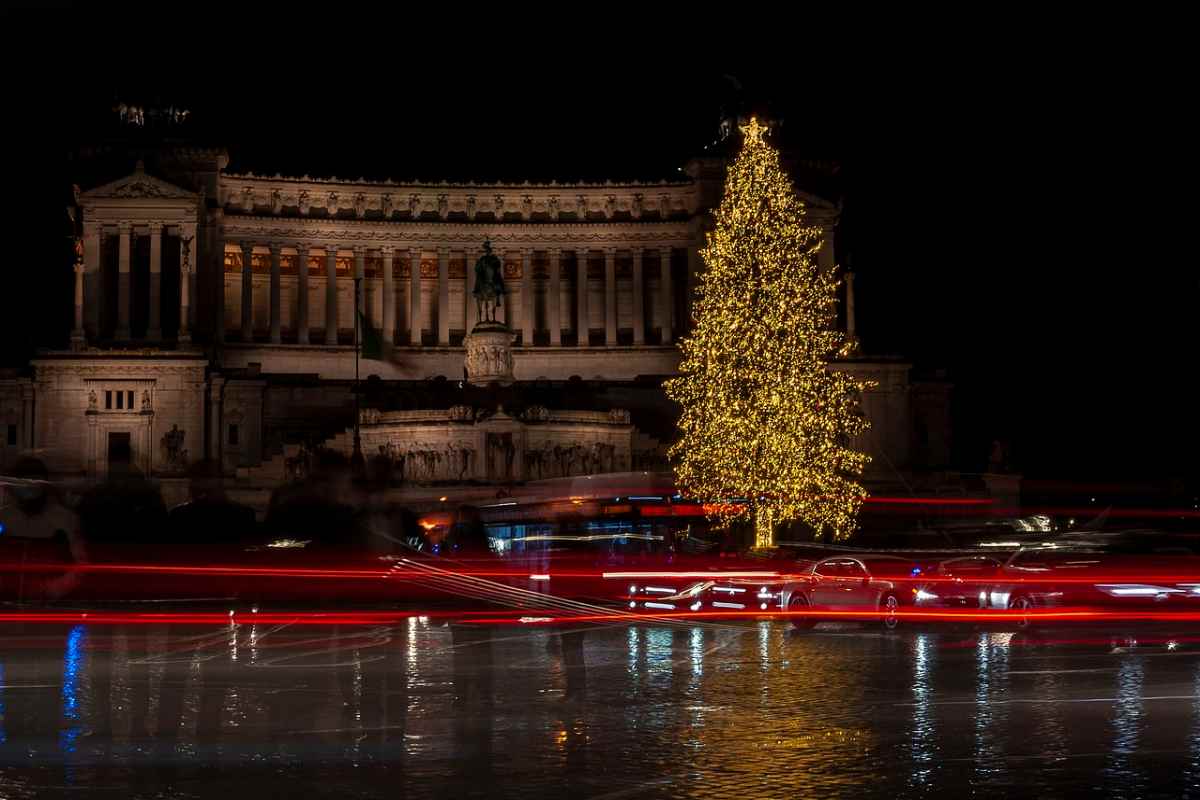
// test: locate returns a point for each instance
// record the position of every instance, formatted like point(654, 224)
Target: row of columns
point(443, 294)
point(93, 242)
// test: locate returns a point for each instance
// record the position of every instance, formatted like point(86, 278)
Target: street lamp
point(358, 465)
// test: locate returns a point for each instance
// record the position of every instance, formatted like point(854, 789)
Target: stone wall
point(242, 423)
point(13, 423)
point(532, 363)
point(454, 445)
point(77, 409)
point(886, 406)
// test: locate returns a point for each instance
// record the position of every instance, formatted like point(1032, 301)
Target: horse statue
point(489, 284)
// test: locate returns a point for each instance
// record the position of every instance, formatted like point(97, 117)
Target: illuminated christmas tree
point(764, 416)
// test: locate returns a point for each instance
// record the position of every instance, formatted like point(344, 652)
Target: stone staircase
point(274, 469)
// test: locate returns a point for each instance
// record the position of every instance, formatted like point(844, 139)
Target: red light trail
point(351, 618)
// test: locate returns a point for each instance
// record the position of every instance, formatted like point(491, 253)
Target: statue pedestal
point(489, 354)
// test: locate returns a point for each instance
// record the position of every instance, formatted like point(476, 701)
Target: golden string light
point(764, 417)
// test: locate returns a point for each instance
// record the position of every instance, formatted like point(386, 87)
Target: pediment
point(138, 186)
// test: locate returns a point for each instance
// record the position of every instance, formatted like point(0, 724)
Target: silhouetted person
point(38, 528)
point(125, 508)
point(210, 516)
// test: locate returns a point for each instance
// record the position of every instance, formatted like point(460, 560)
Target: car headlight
point(922, 594)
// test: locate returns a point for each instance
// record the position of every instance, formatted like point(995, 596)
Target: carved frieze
point(460, 413)
point(618, 416)
point(536, 414)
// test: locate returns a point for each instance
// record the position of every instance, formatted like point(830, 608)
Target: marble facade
point(227, 301)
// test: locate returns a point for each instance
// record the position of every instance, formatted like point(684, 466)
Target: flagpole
point(357, 463)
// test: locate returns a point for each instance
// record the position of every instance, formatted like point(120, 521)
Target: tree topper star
point(753, 130)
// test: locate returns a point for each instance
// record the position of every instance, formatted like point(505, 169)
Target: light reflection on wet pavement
point(740, 710)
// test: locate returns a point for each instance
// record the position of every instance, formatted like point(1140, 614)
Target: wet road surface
point(752, 710)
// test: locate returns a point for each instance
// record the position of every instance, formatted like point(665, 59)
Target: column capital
point(301, 247)
point(247, 246)
point(276, 248)
point(444, 250)
point(359, 250)
point(555, 252)
point(124, 227)
point(330, 249)
point(386, 249)
point(527, 252)
point(611, 250)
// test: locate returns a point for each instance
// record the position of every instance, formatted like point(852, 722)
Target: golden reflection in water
point(767, 713)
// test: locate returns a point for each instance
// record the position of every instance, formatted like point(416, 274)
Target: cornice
point(286, 230)
point(441, 185)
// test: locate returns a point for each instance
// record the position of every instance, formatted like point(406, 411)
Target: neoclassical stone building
point(214, 318)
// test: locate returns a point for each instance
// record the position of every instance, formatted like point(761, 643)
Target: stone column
point(527, 297)
point(122, 333)
point(276, 332)
point(851, 326)
point(360, 273)
point(581, 298)
point(500, 310)
point(77, 336)
point(247, 292)
point(389, 300)
point(27, 416)
point(414, 298)
point(218, 272)
point(552, 311)
point(189, 251)
point(470, 311)
point(216, 388)
point(667, 293)
point(302, 294)
point(443, 337)
point(93, 283)
point(154, 329)
point(639, 310)
point(185, 279)
point(92, 446)
point(610, 296)
point(331, 320)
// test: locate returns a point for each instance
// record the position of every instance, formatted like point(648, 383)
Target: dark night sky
point(1017, 209)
